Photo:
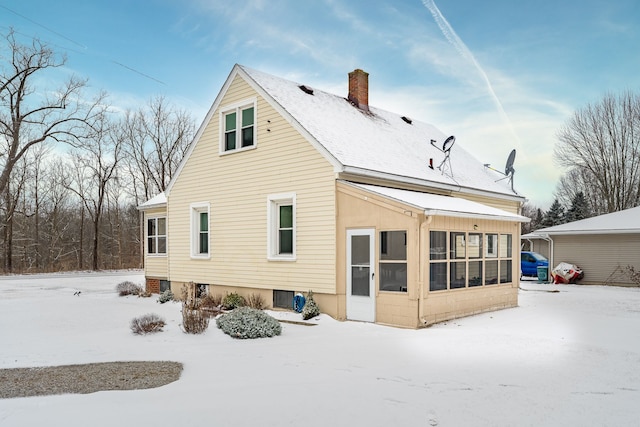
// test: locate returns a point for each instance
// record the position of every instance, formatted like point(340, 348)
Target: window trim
point(274, 201)
point(156, 236)
point(237, 108)
point(195, 210)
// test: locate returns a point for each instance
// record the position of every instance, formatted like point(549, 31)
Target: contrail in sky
point(464, 51)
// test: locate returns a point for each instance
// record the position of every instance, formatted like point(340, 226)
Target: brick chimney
point(359, 89)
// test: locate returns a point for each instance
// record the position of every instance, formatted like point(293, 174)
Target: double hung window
point(238, 127)
point(281, 234)
point(200, 230)
point(157, 236)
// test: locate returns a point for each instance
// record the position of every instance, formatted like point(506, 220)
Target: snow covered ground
point(560, 359)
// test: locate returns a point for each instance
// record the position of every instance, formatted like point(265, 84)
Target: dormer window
point(237, 123)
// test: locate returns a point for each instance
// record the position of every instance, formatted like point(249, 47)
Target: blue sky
point(497, 74)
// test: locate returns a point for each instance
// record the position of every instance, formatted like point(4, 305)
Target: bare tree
point(158, 137)
point(11, 198)
point(30, 115)
point(535, 214)
point(600, 146)
point(96, 167)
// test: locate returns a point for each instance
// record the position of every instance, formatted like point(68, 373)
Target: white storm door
point(361, 295)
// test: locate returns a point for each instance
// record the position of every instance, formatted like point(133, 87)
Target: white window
point(200, 230)
point(238, 127)
point(157, 236)
point(281, 232)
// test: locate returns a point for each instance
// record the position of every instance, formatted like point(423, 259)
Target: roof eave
point(457, 214)
point(429, 184)
point(144, 207)
point(590, 232)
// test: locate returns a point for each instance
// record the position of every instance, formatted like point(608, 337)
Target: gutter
point(422, 270)
point(549, 240)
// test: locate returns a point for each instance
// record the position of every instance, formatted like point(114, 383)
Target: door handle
point(372, 275)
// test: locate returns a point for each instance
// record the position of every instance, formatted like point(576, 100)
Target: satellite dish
point(448, 143)
point(508, 169)
point(446, 149)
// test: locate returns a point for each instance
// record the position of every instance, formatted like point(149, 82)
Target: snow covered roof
point(155, 202)
point(434, 204)
point(376, 143)
point(626, 221)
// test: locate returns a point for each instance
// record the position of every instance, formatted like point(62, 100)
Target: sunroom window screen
point(465, 263)
point(393, 261)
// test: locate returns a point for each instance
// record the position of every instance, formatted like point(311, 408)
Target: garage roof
point(621, 222)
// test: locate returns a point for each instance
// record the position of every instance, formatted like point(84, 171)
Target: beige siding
point(603, 258)
point(358, 209)
point(446, 305)
point(237, 187)
point(155, 266)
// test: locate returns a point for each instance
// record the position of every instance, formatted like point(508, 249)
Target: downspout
point(422, 266)
point(551, 255)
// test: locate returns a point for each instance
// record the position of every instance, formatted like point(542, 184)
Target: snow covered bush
point(247, 322)
point(233, 300)
point(147, 324)
point(128, 288)
point(165, 296)
point(310, 308)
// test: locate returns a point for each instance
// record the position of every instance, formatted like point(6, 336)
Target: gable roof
point(621, 222)
point(376, 144)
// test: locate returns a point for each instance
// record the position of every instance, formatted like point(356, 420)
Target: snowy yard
point(561, 358)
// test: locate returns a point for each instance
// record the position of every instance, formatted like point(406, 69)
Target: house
point(602, 246)
point(287, 188)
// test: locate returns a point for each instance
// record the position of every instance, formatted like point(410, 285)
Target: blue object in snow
point(298, 302)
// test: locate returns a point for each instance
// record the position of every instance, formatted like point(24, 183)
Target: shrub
point(233, 300)
point(256, 301)
point(165, 296)
point(247, 322)
point(194, 320)
point(210, 301)
point(144, 294)
point(128, 288)
point(634, 275)
point(310, 309)
point(147, 324)
point(210, 305)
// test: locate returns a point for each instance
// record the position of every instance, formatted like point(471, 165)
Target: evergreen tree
point(579, 208)
point(554, 216)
